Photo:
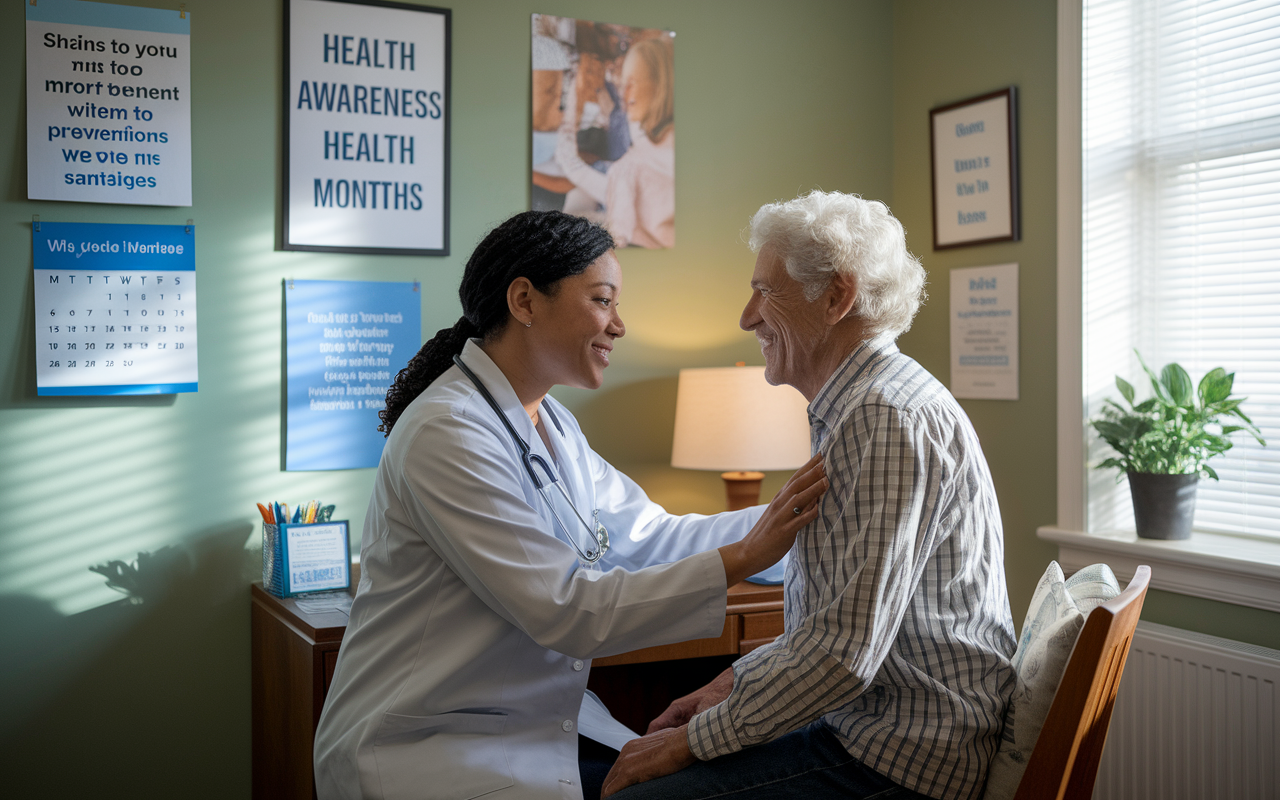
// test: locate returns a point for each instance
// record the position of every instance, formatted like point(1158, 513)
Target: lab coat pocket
point(453, 756)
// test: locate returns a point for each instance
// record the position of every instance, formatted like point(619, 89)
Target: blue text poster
point(366, 127)
point(108, 103)
point(345, 343)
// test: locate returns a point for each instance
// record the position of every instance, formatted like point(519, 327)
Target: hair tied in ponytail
point(541, 246)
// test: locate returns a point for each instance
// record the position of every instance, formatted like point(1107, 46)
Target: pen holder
point(272, 560)
point(303, 557)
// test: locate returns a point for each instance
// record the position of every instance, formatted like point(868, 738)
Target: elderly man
point(893, 675)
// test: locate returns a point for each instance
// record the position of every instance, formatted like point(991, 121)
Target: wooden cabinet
point(294, 653)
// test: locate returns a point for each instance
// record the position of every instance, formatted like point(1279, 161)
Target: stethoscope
point(596, 533)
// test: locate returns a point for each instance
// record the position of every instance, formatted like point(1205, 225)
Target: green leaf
point(1178, 383)
point(1235, 410)
point(1215, 386)
point(1208, 470)
point(1125, 388)
point(1162, 395)
point(1115, 434)
point(1147, 406)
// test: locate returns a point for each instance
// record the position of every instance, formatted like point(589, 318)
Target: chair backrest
point(1064, 763)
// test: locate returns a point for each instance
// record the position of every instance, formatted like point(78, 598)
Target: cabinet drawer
point(764, 625)
point(330, 664)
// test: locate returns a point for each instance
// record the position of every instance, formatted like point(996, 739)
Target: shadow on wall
point(121, 700)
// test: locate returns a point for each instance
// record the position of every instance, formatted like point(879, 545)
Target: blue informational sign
point(345, 343)
point(115, 308)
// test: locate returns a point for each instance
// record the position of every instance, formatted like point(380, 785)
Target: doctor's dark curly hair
point(543, 246)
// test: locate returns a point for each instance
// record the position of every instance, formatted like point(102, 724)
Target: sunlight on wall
point(254, 437)
point(101, 489)
point(83, 486)
point(685, 303)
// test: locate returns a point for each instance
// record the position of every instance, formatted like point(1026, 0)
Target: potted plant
point(1165, 442)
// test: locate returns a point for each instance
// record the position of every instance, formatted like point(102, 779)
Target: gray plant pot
point(1163, 505)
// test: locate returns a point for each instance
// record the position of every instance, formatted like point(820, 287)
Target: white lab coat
point(465, 663)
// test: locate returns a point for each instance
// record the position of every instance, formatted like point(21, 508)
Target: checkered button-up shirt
point(898, 630)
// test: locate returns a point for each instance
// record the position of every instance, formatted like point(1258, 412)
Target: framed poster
point(366, 139)
point(604, 126)
point(974, 147)
point(115, 308)
point(108, 103)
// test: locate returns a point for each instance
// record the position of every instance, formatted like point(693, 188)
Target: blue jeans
point(808, 763)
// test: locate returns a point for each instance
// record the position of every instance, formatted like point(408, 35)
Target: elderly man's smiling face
point(790, 329)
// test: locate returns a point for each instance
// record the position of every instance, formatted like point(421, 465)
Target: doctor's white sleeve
point(642, 533)
point(464, 490)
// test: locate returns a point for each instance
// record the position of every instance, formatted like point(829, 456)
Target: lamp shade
point(730, 418)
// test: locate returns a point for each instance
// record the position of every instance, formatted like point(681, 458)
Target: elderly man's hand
point(685, 708)
point(649, 757)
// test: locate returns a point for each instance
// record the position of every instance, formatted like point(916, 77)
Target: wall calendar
point(115, 308)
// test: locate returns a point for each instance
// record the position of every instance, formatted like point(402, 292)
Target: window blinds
point(1181, 247)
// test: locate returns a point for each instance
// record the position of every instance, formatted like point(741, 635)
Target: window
point(1180, 228)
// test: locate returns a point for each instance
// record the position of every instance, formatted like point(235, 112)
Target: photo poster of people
point(604, 127)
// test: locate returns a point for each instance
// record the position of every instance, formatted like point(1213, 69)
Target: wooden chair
point(1064, 763)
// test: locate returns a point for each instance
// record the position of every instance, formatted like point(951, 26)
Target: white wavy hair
point(824, 233)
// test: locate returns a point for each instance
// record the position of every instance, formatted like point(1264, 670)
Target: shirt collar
point(831, 402)
point(496, 382)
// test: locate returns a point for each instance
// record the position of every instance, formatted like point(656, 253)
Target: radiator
point(1195, 719)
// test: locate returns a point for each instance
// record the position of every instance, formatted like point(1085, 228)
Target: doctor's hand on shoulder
point(795, 506)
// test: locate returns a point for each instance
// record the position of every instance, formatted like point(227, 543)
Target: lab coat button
point(567, 725)
point(577, 666)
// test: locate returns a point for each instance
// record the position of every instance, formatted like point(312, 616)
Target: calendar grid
point(115, 309)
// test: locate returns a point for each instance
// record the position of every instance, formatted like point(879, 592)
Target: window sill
point(1232, 569)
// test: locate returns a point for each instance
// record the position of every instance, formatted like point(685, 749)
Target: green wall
point(151, 699)
point(943, 52)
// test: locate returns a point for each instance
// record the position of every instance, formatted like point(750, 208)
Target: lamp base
point(742, 489)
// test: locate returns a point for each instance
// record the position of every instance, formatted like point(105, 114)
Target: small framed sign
point(301, 558)
point(975, 170)
point(366, 140)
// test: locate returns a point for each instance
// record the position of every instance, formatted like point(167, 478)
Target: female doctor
point(500, 553)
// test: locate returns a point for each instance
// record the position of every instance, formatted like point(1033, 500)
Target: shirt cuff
point(711, 733)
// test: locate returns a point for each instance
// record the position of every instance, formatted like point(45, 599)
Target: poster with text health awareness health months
point(366, 127)
point(345, 341)
point(108, 103)
point(115, 308)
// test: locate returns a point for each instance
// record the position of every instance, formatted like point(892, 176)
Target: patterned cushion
point(1054, 619)
point(1092, 586)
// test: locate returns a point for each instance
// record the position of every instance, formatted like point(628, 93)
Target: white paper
point(971, 173)
point(108, 108)
point(597, 724)
point(984, 332)
point(334, 601)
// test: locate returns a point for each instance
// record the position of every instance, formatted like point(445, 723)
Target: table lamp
point(730, 419)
